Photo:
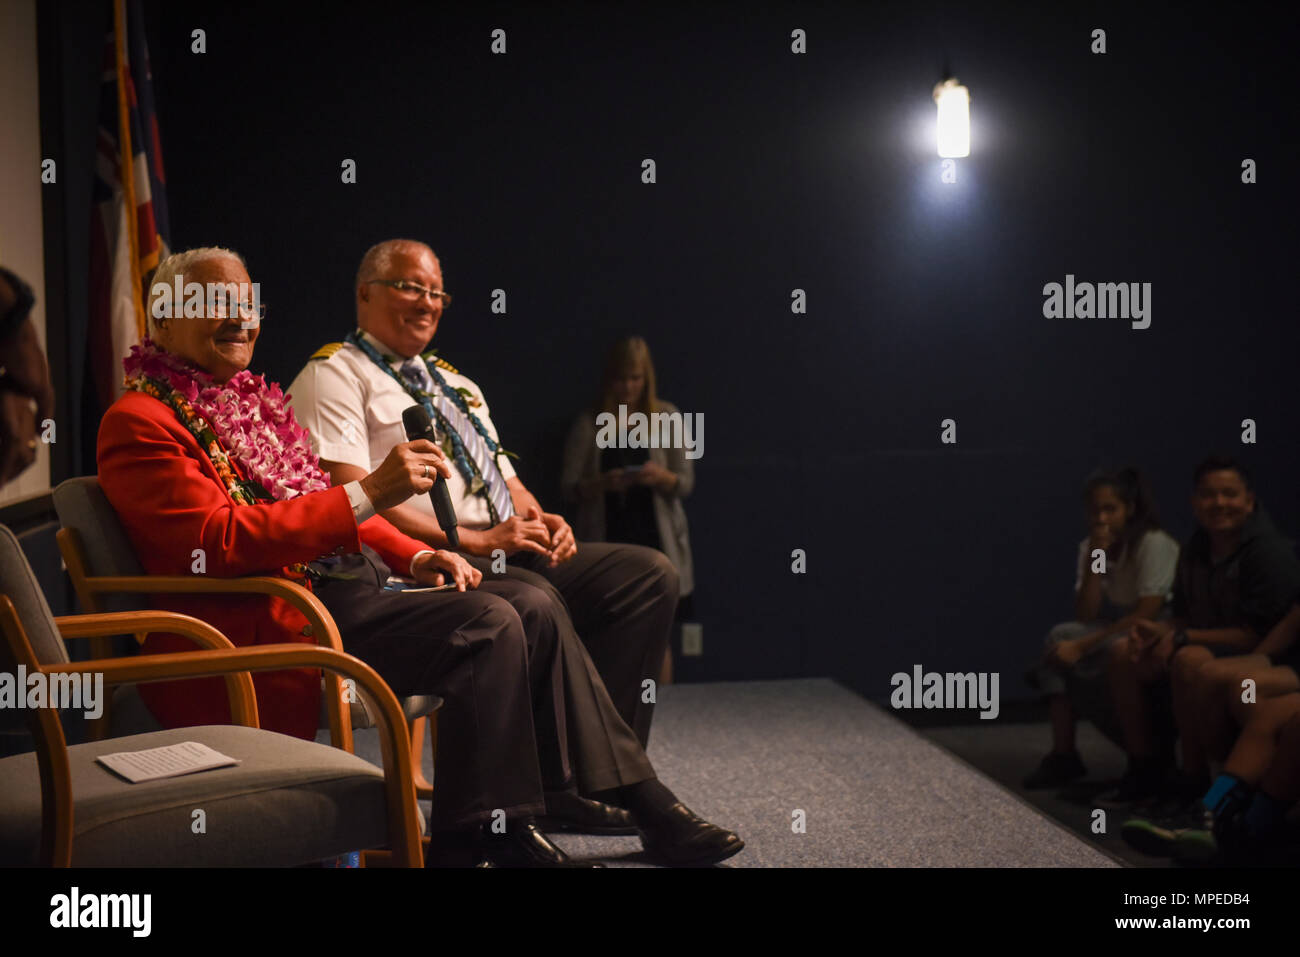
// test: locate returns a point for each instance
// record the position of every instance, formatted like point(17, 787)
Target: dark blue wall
point(779, 171)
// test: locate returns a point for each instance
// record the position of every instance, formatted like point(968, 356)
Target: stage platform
point(874, 792)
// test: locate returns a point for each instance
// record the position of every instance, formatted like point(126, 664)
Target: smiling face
point(218, 346)
point(1221, 502)
point(404, 321)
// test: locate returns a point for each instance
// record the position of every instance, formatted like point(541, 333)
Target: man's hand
point(408, 470)
point(518, 533)
point(17, 435)
point(563, 544)
point(430, 569)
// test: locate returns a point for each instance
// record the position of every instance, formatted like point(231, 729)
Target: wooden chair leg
point(423, 789)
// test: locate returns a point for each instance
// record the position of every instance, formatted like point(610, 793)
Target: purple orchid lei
point(248, 417)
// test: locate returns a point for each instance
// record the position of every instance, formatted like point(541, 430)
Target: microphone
point(418, 426)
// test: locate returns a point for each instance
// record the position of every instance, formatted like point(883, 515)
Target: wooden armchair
point(107, 576)
point(288, 801)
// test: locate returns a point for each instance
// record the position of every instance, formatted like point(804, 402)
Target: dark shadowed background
point(775, 171)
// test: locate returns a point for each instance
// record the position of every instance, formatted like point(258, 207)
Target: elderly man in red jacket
point(208, 471)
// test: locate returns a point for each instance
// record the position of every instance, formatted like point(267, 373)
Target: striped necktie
point(495, 488)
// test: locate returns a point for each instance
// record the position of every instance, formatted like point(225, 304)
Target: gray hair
point(164, 276)
point(379, 257)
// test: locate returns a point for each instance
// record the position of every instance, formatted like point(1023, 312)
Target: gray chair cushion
point(82, 505)
point(129, 714)
point(288, 802)
point(18, 582)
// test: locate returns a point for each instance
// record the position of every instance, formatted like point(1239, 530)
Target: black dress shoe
point(680, 839)
point(523, 845)
point(1055, 771)
point(567, 811)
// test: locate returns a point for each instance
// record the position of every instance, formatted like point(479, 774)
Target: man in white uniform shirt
point(351, 397)
point(619, 599)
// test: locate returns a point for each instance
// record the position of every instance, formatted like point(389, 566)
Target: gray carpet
point(875, 792)
point(1007, 752)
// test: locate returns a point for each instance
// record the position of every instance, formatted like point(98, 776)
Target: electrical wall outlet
point(692, 638)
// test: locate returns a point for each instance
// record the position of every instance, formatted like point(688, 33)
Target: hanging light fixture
point(954, 118)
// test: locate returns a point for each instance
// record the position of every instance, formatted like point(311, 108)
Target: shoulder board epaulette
point(327, 350)
point(444, 364)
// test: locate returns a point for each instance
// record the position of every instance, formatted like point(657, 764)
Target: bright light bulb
point(954, 118)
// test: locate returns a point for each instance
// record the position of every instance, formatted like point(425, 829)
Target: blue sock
point(1219, 790)
point(1265, 815)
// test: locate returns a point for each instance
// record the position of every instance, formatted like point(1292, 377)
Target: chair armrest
point(120, 622)
point(52, 752)
point(318, 617)
point(322, 624)
point(239, 687)
point(395, 743)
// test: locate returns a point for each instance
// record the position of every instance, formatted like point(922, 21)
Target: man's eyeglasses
point(413, 290)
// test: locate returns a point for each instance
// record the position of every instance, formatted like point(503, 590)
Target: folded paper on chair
point(171, 761)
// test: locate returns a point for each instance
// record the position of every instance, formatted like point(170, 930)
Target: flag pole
point(127, 173)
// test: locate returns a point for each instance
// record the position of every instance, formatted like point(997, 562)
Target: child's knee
point(1065, 631)
point(1188, 668)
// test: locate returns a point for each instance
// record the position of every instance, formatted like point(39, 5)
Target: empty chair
point(287, 802)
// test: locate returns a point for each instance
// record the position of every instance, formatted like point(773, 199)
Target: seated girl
point(1125, 574)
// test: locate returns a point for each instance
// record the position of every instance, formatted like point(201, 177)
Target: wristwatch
point(1180, 641)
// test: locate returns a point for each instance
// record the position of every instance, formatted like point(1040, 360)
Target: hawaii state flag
point(128, 230)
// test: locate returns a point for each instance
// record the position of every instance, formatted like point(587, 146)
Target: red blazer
point(171, 502)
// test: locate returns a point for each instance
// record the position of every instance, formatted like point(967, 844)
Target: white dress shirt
point(362, 507)
point(353, 410)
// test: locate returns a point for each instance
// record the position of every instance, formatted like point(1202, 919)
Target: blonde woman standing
point(631, 494)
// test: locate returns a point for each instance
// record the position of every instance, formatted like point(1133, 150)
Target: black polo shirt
point(1254, 586)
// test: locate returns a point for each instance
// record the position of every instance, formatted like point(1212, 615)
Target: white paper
point(170, 761)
